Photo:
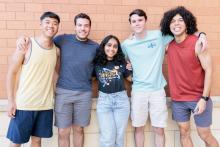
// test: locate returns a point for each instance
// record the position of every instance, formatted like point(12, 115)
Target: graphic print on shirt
point(151, 45)
point(106, 75)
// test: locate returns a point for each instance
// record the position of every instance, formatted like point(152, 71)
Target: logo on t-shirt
point(151, 45)
point(107, 75)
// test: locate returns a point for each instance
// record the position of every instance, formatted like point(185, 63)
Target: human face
point(178, 26)
point(137, 23)
point(82, 28)
point(111, 48)
point(49, 27)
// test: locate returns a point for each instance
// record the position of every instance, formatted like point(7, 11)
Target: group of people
point(77, 60)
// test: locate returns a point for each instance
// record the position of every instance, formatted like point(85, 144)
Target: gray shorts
point(72, 107)
point(182, 111)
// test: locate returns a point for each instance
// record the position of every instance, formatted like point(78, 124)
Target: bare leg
point(185, 138)
point(35, 141)
point(159, 137)
point(139, 136)
point(206, 135)
point(64, 137)
point(14, 145)
point(78, 136)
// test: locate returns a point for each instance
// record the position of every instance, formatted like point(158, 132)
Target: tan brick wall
point(19, 17)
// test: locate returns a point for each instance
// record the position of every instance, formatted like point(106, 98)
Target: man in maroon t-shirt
point(190, 74)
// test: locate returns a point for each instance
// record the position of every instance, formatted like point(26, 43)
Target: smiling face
point(111, 48)
point(49, 26)
point(137, 23)
point(178, 26)
point(82, 28)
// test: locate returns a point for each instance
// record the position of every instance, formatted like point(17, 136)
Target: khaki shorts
point(152, 102)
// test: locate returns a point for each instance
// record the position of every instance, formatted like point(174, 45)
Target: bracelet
point(206, 98)
point(201, 33)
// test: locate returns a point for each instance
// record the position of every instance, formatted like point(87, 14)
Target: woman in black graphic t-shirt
point(113, 106)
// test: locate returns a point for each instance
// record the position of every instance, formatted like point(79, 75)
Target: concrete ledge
point(215, 99)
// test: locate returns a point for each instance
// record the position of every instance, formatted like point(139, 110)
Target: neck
point(180, 38)
point(141, 35)
point(45, 42)
point(109, 59)
point(81, 39)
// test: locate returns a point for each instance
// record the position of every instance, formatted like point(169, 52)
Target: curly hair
point(188, 18)
point(101, 58)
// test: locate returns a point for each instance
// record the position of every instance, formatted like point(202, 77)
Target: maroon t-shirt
point(186, 76)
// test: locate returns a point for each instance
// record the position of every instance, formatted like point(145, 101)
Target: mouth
point(50, 30)
point(177, 29)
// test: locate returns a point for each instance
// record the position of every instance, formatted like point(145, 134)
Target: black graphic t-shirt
point(111, 77)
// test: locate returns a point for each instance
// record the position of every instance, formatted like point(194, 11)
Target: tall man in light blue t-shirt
point(145, 50)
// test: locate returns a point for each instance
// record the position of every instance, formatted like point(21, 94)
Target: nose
point(50, 24)
point(83, 27)
point(176, 22)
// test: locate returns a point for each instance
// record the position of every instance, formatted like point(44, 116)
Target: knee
point(139, 130)
point(78, 130)
point(205, 135)
point(184, 132)
point(64, 133)
point(159, 131)
point(35, 140)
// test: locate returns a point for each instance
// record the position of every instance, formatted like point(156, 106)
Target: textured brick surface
point(20, 17)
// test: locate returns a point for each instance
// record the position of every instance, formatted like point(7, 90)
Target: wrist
point(201, 33)
point(206, 98)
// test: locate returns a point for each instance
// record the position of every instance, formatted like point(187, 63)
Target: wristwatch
point(206, 98)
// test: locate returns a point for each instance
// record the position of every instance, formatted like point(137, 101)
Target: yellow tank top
point(35, 90)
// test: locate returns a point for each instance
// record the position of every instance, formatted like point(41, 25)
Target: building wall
point(21, 17)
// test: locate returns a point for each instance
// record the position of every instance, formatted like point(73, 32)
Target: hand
point(200, 107)
point(11, 109)
point(128, 66)
point(203, 41)
point(131, 36)
point(22, 43)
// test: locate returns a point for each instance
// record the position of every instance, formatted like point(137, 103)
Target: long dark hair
point(188, 18)
point(101, 58)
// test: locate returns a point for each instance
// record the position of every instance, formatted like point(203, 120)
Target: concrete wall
point(92, 131)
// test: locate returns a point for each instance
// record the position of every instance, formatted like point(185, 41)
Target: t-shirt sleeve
point(167, 39)
point(57, 40)
point(124, 50)
point(94, 73)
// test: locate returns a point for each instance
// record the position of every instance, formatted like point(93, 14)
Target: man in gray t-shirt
point(73, 93)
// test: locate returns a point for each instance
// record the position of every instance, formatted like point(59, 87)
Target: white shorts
point(152, 102)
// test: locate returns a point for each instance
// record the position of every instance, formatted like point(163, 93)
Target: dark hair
point(188, 18)
point(139, 12)
point(50, 15)
point(101, 58)
point(82, 15)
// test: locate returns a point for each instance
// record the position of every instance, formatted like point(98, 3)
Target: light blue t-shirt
point(146, 56)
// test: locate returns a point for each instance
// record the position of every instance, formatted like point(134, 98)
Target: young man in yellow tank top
point(31, 107)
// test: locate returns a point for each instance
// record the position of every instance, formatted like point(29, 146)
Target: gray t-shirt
point(76, 62)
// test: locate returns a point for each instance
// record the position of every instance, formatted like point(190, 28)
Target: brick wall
point(18, 17)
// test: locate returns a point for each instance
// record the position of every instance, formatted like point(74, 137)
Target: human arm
point(57, 68)
point(128, 71)
point(206, 63)
point(17, 60)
